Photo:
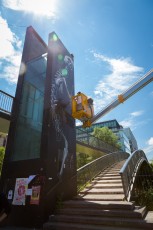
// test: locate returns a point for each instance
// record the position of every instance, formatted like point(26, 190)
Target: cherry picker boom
point(82, 106)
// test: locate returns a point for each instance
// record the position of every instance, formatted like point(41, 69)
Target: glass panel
point(29, 124)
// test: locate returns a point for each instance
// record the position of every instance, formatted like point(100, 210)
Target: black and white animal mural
point(61, 122)
point(60, 105)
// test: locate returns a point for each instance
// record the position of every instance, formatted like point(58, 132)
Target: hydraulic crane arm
point(142, 82)
point(85, 111)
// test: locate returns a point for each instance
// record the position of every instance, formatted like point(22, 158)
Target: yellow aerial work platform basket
point(82, 108)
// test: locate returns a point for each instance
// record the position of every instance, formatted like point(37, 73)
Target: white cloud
point(127, 123)
point(137, 113)
point(149, 148)
point(11, 73)
point(10, 54)
point(7, 39)
point(119, 66)
point(133, 122)
point(47, 8)
point(150, 141)
point(123, 73)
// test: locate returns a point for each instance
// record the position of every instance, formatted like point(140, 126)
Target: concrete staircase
point(100, 206)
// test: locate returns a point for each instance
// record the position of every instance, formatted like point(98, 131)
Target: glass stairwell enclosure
point(29, 123)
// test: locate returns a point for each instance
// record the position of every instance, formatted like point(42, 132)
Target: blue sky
point(112, 43)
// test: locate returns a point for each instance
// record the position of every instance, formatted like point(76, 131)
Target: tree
point(82, 159)
point(151, 164)
point(106, 135)
point(2, 153)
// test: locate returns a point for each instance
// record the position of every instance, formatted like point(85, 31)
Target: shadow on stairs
point(100, 206)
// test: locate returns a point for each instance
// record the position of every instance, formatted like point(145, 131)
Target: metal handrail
point(6, 101)
point(129, 170)
point(86, 173)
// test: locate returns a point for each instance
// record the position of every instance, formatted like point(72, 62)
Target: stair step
point(139, 213)
point(109, 197)
point(117, 167)
point(111, 185)
point(69, 226)
point(109, 175)
point(109, 178)
point(149, 217)
point(98, 204)
point(121, 222)
point(111, 171)
point(103, 191)
point(107, 181)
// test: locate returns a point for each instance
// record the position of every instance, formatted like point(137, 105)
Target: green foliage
point(89, 151)
point(2, 153)
point(81, 187)
point(83, 159)
point(145, 198)
point(151, 164)
point(106, 135)
point(3, 134)
point(85, 154)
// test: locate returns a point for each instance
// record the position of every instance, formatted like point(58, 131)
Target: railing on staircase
point(6, 101)
point(86, 173)
point(88, 139)
point(129, 170)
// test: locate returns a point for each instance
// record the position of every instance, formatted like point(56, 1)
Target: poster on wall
point(20, 191)
point(35, 195)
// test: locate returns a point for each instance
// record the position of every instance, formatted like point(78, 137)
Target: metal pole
point(142, 82)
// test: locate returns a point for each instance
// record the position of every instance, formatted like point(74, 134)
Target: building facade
point(125, 136)
point(132, 140)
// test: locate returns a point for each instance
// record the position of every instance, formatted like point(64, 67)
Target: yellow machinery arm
point(82, 107)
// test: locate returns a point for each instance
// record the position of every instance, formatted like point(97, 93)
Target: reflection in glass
point(29, 123)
